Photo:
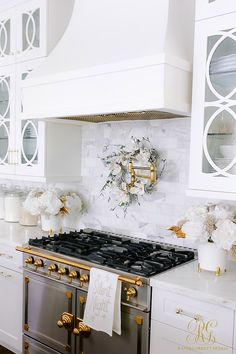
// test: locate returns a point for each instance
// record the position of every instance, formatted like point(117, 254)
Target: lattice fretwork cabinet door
point(213, 139)
point(31, 30)
point(7, 37)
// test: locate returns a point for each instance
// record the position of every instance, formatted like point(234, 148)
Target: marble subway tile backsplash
point(163, 207)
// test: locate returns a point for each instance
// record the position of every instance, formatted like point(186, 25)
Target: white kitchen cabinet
point(178, 311)
point(11, 285)
point(31, 29)
point(31, 25)
point(31, 149)
point(180, 323)
point(7, 117)
point(7, 37)
point(212, 8)
point(213, 130)
point(169, 340)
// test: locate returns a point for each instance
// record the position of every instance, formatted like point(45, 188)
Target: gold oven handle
point(81, 328)
point(66, 321)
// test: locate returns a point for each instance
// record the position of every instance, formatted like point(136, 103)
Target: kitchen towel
point(103, 305)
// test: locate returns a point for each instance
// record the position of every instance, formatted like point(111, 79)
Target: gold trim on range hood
point(124, 116)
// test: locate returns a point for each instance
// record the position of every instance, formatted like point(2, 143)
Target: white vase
point(212, 258)
point(51, 223)
point(70, 221)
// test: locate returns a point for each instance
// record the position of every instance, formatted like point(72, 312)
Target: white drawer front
point(10, 258)
point(179, 311)
point(169, 340)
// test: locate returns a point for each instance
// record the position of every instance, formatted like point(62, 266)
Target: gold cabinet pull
point(180, 311)
point(66, 321)
point(81, 328)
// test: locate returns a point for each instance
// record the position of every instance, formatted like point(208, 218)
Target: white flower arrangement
point(212, 223)
point(52, 202)
point(120, 193)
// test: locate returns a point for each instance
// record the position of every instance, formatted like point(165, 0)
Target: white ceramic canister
point(27, 219)
point(211, 258)
point(12, 204)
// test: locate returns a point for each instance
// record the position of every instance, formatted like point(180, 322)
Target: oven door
point(134, 338)
point(48, 310)
point(33, 347)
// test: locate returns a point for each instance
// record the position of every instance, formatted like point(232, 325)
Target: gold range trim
point(28, 250)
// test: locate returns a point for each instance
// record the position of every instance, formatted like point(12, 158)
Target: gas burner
point(118, 252)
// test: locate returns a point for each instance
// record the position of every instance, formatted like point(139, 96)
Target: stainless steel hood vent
point(117, 56)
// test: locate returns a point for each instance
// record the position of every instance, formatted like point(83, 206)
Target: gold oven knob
point(130, 293)
point(73, 274)
point(62, 271)
point(52, 268)
point(66, 321)
point(29, 260)
point(38, 263)
point(84, 278)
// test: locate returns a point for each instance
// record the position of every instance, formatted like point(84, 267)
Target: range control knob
point(52, 268)
point(62, 271)
point(38, 263)
point(84, 278)
point(73, 274)
point(29, 260)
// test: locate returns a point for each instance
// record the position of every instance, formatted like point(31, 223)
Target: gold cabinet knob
point(73, 274)
point(130, 293)
point(38, 263)
point(84, 278)
point(62, 271)
point(65, 321)
point(52, 268)
point(29, 260)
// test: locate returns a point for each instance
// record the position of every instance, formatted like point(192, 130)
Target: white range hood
point(117, 56)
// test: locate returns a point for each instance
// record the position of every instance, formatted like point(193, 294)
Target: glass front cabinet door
point(29, 133)
point(213, 138)
point(7, 37)
point(212, 8)
point(31, 30)
point(7, 116)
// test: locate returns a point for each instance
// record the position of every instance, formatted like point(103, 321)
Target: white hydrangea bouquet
point(141, 153)
point(51, 205)
point(213, 226)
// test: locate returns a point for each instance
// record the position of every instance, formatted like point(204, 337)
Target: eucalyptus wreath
point(117, 184)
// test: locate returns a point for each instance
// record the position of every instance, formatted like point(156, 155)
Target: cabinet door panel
point(29, 134)
point(31, 30)
point(213, 138)
point(7, 119)
point(211, 8)
point(11, 309)
point(7, 37)
point(169, 340)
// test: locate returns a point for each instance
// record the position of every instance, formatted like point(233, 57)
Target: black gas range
point(123, 253)
point(56, 271)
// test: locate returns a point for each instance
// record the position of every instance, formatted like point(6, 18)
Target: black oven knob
point(38, 263)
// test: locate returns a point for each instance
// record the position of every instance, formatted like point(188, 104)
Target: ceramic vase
point(51, 223)
point(211, 258)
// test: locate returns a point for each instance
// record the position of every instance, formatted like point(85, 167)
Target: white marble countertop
point(206, 286)
point(14, 234)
